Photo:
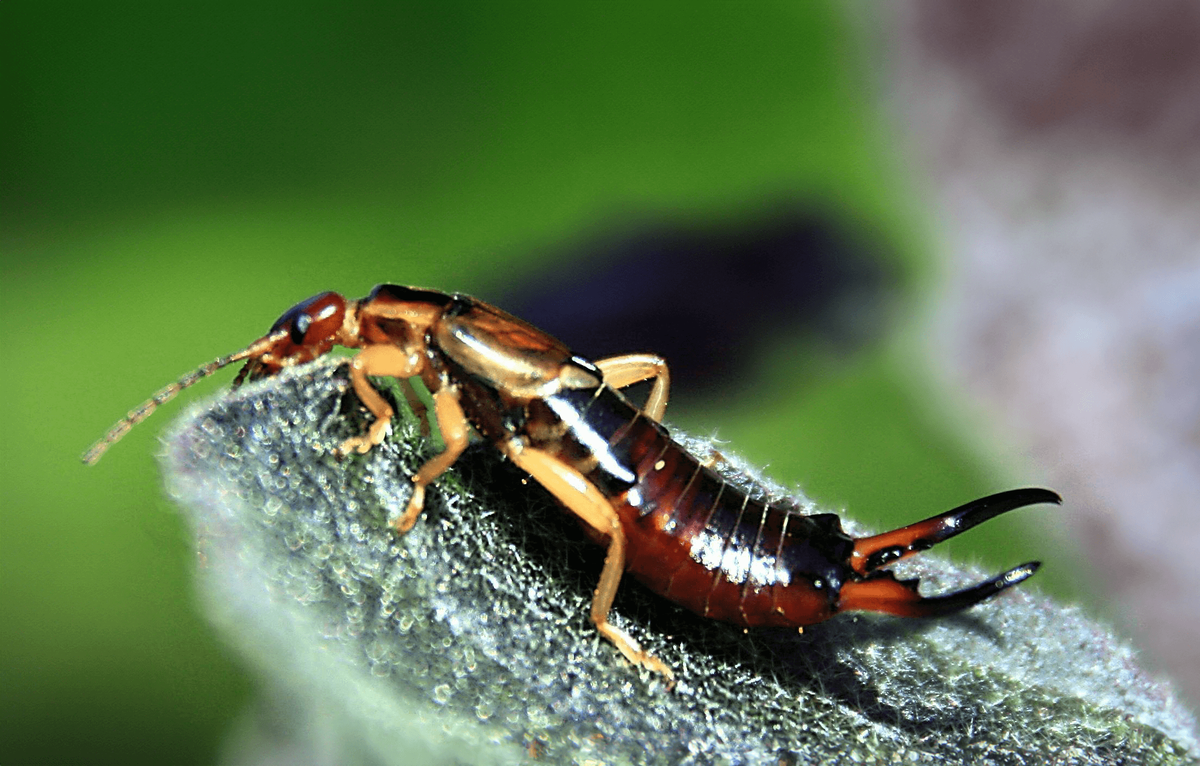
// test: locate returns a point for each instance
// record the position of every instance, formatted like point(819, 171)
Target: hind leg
point(625, 370)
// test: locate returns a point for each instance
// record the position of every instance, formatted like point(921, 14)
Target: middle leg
point(455, 433)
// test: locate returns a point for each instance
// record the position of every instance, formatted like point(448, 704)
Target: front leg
point(378, 360)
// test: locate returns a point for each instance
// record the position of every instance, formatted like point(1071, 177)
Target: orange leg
point(584, 500)
point(415, 404)
point(625, 370)
point(455, 432)
point(396, 362)
point(380, 359)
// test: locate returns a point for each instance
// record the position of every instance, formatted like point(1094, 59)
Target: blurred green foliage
point(175, 176)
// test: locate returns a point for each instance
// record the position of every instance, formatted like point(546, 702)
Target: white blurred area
point(1059, 143)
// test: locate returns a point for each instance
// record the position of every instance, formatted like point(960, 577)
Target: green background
point(174, 177)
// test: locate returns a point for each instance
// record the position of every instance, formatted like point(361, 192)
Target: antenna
point(146, 408)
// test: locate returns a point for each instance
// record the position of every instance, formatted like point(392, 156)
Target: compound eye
point(295, 320)
point(299, 328)
point(313, 323)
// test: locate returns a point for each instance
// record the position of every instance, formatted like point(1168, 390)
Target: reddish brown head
point(304, 332)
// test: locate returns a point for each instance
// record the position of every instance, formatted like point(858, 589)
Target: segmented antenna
point(146, 408)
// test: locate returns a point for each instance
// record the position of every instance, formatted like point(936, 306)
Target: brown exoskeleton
point(665, 517)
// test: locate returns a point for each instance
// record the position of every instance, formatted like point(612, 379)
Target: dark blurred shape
point(706, 297)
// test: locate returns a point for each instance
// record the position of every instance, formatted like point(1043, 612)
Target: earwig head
point(304, 332)
point(879, 591)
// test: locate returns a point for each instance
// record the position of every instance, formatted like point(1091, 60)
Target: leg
point(415, 404)
point(625, 370)
point(585, 501)
point(375, 360)
point(454, 428)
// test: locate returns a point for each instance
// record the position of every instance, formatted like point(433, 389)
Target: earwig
point(666, 518)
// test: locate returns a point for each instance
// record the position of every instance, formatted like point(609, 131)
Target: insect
point(666, 518)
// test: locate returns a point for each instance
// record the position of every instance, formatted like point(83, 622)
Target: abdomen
point(691, 536)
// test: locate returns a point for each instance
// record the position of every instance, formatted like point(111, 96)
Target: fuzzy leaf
point(467, 640)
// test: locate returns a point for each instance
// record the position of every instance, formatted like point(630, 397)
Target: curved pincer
point(878, 591)
point(871, 553)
